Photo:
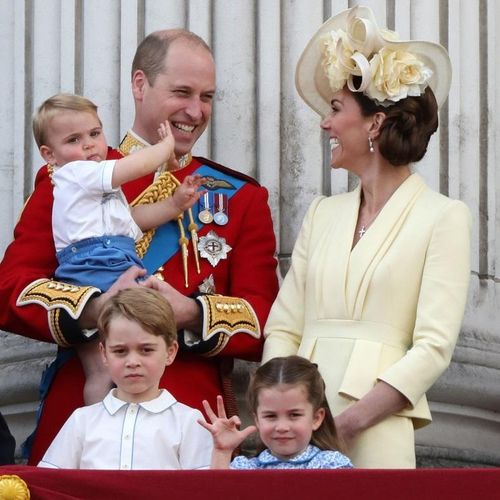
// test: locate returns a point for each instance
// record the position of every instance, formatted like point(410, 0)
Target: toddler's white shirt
point(86, 205)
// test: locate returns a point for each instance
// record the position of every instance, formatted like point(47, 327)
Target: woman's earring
point(370, 145)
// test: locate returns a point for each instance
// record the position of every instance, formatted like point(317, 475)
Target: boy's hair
point(294, 371)
point(146, 307)
point(152, 51)
point(54, 105)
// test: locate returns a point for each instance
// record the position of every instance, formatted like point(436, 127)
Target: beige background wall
point(261, 127)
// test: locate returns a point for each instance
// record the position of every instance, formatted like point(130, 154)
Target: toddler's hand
point(187, 194)
point(167, 138)
point(164, 130)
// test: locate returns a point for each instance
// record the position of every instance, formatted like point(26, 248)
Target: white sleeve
point(195, 450)
point(65, 451)
point(90, 176)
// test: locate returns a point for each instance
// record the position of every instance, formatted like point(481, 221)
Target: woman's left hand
point(383, 400)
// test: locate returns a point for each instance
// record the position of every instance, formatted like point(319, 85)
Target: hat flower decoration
point(387, 74)
point(350, 45)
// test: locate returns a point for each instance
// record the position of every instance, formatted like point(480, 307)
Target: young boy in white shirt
point(137, 425)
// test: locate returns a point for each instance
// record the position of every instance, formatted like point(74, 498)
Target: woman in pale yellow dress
point(377, 287)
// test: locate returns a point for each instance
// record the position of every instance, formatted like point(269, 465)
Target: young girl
point(287, 399)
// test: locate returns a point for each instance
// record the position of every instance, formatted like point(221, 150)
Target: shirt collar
point(156, 405)
point(267, 458)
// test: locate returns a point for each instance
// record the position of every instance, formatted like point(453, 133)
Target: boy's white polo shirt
point(113, 434)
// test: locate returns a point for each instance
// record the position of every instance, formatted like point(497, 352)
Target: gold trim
point(55, 328)
point(162, 188)
point(227, 316)
point(12, 487)
point(53, 294)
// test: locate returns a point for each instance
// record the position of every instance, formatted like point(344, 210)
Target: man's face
point(182, 93)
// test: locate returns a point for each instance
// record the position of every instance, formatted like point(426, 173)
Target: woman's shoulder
point(325, 204)
point(439, 206)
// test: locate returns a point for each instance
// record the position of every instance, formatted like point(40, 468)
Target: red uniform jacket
point(248, 272)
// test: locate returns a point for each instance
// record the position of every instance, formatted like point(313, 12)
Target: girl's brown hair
point(292, 371)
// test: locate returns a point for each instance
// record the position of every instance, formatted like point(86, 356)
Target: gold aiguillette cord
point(183, 242)
point(194, 238)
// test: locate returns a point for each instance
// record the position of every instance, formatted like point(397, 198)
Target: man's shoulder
point(43, 175)
point(227, 170)
point(113, 154)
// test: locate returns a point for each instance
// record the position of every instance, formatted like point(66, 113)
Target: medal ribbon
point(165, 242)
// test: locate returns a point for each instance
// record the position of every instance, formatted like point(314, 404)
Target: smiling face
point(74, 135)
point(286, 419)
point(136, 359)
point(349, 131)
point(182, 93)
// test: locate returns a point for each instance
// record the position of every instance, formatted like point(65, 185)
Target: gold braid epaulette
point(162, 188)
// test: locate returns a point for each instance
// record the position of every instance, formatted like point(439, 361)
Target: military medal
point(221, 204)
point(213, 248)
point(205, 213)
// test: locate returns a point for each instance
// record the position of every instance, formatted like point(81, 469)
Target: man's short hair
point(143, 305)
point(53, 106)
point(151, 52)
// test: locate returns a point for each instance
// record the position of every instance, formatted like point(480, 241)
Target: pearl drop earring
point(370, 145)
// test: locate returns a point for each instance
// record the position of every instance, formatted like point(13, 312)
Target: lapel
point(372, 247)
point(331, 254)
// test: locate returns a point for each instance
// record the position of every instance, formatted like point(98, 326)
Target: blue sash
point(165, 242)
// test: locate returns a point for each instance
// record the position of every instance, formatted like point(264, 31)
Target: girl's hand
point(225, 431)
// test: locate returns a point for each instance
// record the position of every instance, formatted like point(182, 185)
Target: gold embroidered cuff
point(52, 294)
point(226, 316)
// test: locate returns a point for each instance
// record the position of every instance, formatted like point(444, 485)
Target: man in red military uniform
point(216, 264)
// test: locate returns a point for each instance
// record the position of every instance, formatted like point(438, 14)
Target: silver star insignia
point(213, 247)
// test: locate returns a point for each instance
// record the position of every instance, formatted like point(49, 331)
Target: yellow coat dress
point(388, 309)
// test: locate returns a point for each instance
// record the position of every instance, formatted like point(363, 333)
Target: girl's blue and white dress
point(311, 458)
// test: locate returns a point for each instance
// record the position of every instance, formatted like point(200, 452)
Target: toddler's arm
point(185, 196)
point(145, 161)
point(225, 433)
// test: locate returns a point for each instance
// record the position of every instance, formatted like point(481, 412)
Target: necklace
point(364, 227)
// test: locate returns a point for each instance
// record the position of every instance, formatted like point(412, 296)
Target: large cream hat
point(351, 44)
